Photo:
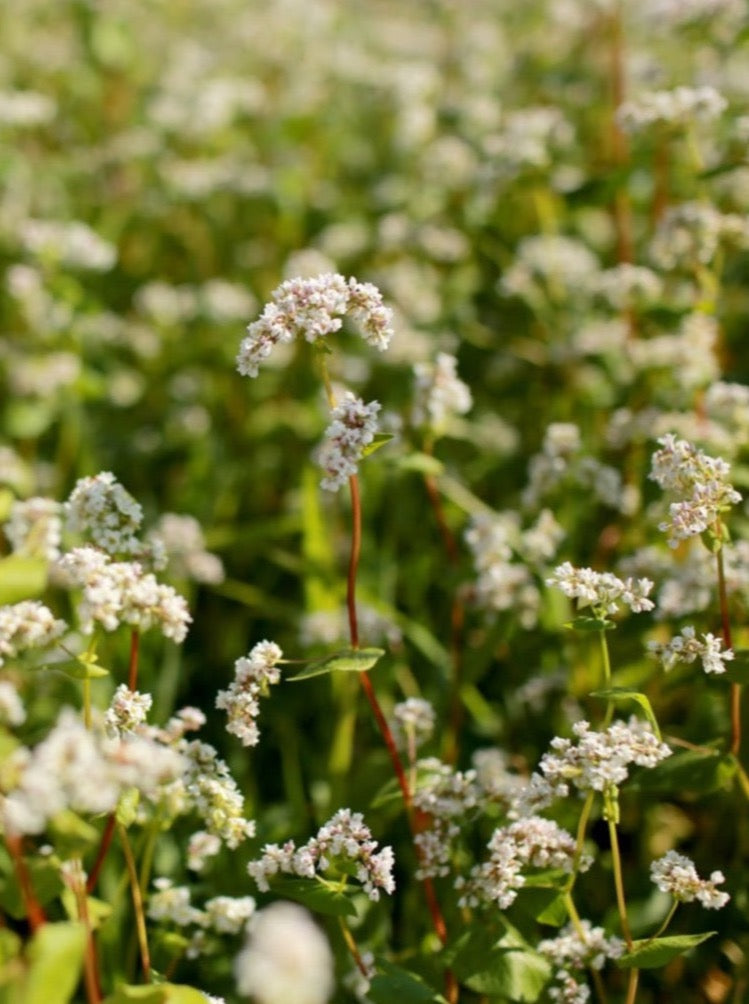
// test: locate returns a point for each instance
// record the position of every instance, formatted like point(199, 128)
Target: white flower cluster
point(596, 761)
point(327, 627)
point(73, 244)
point(353, 427)
point(678, 107)
point(187, 558)
point(493, 775)
point(208, 787)
point(127, 710)
point(34, 528)
point(12, 711)
point(26, 108)
point(533, 842)
point(699, 481)
point(503, 582)
point(83, 770)
point(551, 268)
point(200, 847)
point(439, 392)
point(286, 958)
point(690, 352)
point(626, 285)
point(120, 592)
point(26, 625)
point(574, 950)
point(345, 837)
point(101, 508)
point(414, 721)
point(604, 592)
point(691, 234)
point(222, 914)
point(253, 674)
point(315, 308)
point(444, 796)
point(529, 139)
point(676, 874)
point(686, 647)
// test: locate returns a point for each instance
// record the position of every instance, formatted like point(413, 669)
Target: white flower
point(439, 392)
point(102, 508)
point(27, 625)
point(34, 528)
point(353, 427)
point(314, 308)
point(686, 647)
point(12, 711)
point(700, 482)
point(253, 675)
point(603, 591)
point(676, 874)
point(286, 959)
point(127, 709)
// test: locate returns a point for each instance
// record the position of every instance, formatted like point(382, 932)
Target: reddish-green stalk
point(725, 621)
point(90, 963)
point(34, 912)
point(457, 618)
point(438, 920)
point(108, 832)
point(140, 917)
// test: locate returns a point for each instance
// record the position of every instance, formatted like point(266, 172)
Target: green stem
point(580, 930)
point(606, 662)
point(582, 826)
point(735, 698)
point(667, 921)
point(135, 889)
point(619, 884)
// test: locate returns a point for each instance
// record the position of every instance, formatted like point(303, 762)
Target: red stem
point(451, 986)
point(735, 698)
point(132, 671)
point(34, 911)
point(106, 841)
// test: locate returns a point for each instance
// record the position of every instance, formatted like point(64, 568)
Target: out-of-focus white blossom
point(12, 711)
point(34, 528)
point(678, 107)
point(446, 797)
point(439, 393)
point(184, 544)
point(27, 625)
point(73, 244)
point(286, 958)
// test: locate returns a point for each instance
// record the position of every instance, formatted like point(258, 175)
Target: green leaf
point(6, 501)
point(318, 897)
point(547, 906)
point(590, 624)
point(656, 952)
point(83, 667)
point(56, 956)
point(21, 578)
point(139, 995)
point(394, 985)
point(502, 966)
point(689, 771)
point(619, 694)
point(348, 660)
point(380, 439)
point(10, 945)
point(421, 463)
point(127, 807)
point(71, 834)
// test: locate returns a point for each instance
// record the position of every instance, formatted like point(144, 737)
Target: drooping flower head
point(315, 308)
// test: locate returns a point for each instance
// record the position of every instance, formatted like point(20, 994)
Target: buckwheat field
point(374, 481)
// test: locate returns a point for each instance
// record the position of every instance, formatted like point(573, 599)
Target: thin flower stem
point(582, 826)
point(132, 671)
point(667, 921)
point(735, 697)
point(34, 912)
point(140, 918)
point(606, 661)
point(90, 968)
point(106, 842)
point(87, 701)
point(457, 618)
point(634, 979)
point(451, 986)
point(354, 560)
point(353, 948)
point(618, 882)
